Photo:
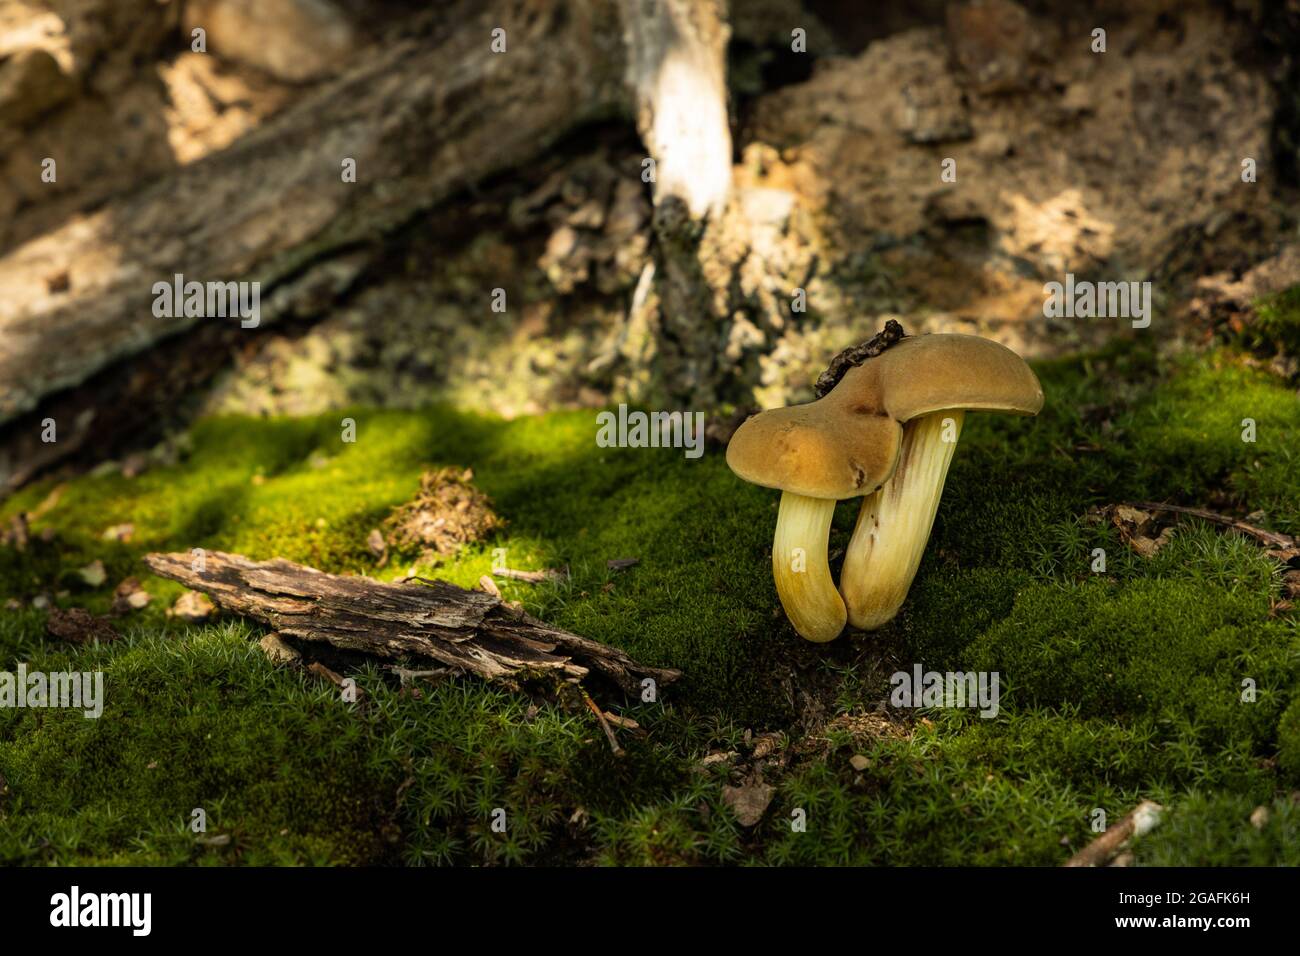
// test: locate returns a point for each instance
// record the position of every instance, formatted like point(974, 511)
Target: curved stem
point(894, 523)
point(800, 567)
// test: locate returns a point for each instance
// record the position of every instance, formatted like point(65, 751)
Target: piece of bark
point(277, 651)
point(470, 631)
point(1140, 820)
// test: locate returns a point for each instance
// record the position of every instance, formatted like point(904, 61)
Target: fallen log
point(472, 632)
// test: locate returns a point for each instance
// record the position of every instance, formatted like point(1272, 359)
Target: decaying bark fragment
point(470, 631)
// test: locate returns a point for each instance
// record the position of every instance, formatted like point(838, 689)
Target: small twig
point(604, 723)
point(623, 723)
point(1140, 820)
point(855, 355)
point(1271, 538)
point(532, 577)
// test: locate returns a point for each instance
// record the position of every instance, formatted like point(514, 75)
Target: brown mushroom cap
point(819, 450)
point(847, 443)
point(931, 373)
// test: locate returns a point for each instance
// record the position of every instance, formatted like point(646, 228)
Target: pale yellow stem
point(802, 573)
point(894, 523)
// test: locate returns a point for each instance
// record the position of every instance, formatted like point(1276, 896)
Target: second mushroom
point(886, 432)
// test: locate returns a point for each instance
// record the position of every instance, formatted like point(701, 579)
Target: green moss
point(1117, 686)
point(1216, 830)
point(1277, 322)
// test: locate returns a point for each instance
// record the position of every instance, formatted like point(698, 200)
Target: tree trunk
point(425, 113)
point(424, 117)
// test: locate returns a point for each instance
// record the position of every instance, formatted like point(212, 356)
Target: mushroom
point(887, 431)
point(814, 455)
point(926, 384)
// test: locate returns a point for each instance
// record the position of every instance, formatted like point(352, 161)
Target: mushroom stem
point(802, 572)
point(894, 523)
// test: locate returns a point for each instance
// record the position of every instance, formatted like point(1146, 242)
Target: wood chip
point(277, 651)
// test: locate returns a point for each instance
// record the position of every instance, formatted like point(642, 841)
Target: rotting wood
point(470, 631)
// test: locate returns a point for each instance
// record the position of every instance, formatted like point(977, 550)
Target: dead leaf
point(1132, 516)
point(120, 532)
point(193, 607)
point(748, 802)
point(16, 534)
point(1147, 547)
point(129, 596)
point(78, 626)
point(620, 564)
point(93, 574)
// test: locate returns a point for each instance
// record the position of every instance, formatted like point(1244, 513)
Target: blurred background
point(797, 200)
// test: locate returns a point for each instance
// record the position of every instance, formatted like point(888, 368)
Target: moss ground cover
point(1116, 686)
